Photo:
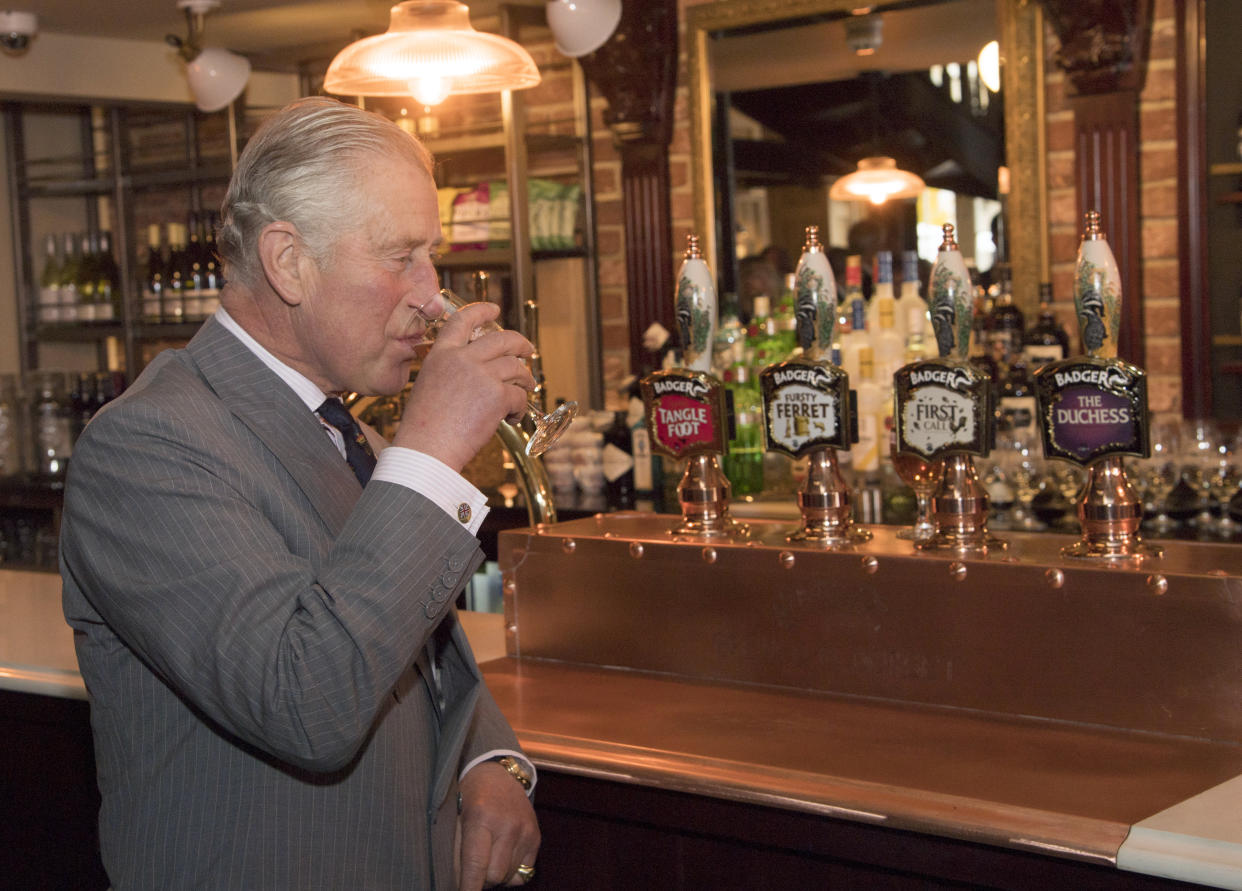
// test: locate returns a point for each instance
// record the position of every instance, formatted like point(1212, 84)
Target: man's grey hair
point(302, 166)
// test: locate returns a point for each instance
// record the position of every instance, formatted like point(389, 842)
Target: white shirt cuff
point(435, 480)
point(502, 753)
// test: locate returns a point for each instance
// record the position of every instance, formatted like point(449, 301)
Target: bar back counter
point(755, 713)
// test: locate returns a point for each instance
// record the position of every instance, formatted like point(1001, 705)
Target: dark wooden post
point(636, 71)
point(1104, 55)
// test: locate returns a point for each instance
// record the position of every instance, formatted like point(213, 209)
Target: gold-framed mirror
point(1020, 29)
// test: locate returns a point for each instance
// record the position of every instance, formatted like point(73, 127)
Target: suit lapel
point(274, 413)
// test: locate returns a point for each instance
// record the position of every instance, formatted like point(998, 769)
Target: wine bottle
point(175, 274)
point(49, 284)
point(213, 281)
point(617, 459)
point(192, 272)
point(153, 278)
point(107, 281)
point(69, 279)
point(85, 277)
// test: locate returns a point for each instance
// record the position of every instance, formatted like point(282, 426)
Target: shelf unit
point(124, 160)
point(510, 149)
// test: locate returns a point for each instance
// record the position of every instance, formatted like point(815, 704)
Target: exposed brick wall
point(1158, 206)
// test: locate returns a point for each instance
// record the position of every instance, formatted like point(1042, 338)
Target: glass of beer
point(923, 476)
point(544, 428)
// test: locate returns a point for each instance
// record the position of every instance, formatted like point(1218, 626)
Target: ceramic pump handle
point(952, 300)
point(1097, 291)
point(695, 309)
point(815, 299)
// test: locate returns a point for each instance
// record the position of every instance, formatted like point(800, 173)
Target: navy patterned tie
point(357, 450)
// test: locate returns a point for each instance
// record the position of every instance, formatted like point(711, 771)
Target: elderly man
point(281, 694)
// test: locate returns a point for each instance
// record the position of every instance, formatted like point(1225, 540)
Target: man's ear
point(282, 254)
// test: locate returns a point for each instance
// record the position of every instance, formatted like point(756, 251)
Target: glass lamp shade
point(877, 179)
point(582, 26)
point(216, 77)
point(430, 51)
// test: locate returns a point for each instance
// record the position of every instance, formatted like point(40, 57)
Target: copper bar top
point(1018, 698)
point(1069, 790)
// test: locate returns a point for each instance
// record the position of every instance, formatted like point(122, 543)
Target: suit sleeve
point(237, 597)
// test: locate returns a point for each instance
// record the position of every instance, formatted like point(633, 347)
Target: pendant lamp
point(877, 179)
point(216, 76)
point(430, 51)
point(582, 26)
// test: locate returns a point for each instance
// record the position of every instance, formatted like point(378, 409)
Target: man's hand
point(498, 831)
point(465, 388)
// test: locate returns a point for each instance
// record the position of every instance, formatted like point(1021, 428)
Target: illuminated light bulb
point(431, 89)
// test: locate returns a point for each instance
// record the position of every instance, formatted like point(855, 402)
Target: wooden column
point(1104, 55)
point(636, 71)
point(1192, 198)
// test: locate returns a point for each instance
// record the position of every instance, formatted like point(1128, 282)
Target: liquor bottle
point(1003, 328)
point(174, 276)
point(1017, 409)
point(854, 337)
point(743, 462)
point(85, 276)
point(69, 279)
point(912, 315)
point(889, 347)
point(617, 459)
point(107, 281)
point(866, 452)
point(786, 328)
point(648, 466)
point(1046, 340)
point(882, 293)
point(153, 279)
point(49, 284)
point(192, 272)
point(980, 354)
point(762, 340)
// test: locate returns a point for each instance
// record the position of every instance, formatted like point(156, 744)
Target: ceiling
point(275, 34)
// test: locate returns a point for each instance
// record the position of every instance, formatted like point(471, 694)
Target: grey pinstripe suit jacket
point(247, 620)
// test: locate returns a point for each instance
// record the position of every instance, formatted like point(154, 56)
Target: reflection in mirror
point(789, 96)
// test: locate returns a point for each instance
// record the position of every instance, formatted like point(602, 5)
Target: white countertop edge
point(1173, 855)
point(43, 681)
point(1196, 840)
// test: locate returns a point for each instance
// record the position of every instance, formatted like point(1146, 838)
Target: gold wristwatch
point(516, 770)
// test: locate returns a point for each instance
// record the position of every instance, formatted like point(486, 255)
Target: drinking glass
point(1202, 458)
point(547, 427)
point(1025, 470)
point(1223, 483)
point(1160, 473)
point(923, 476)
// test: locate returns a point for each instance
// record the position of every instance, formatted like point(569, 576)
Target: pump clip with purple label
point(1090, 408)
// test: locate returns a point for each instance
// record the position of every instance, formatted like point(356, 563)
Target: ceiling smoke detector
point(864, 34)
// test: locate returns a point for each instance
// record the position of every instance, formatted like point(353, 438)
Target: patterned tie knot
point(358, 451)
